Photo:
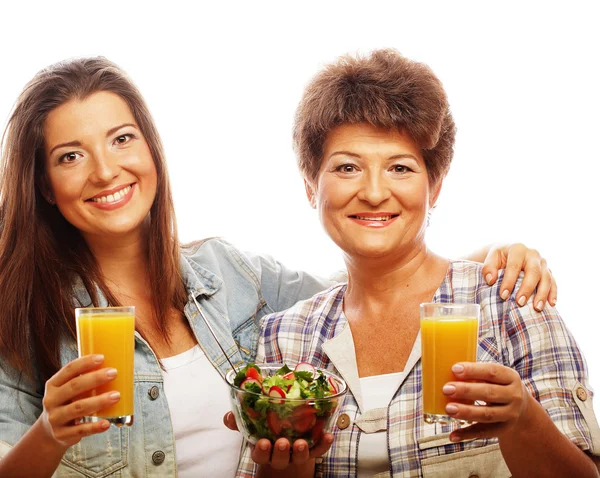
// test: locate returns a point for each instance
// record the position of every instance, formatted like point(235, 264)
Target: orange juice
point(444, 342)
point(112, 335)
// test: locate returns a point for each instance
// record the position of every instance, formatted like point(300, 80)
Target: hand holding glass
point(110, 331)
point(449, 334)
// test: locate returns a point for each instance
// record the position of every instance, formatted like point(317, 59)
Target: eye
point(400, 169)
point(69, 157)
point(123, 139)
point(346, 168)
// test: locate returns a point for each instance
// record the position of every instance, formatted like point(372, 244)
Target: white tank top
point(198, 398)
point(377, 392)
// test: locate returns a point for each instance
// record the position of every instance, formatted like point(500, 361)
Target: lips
point(111, 195)
point(374, 219)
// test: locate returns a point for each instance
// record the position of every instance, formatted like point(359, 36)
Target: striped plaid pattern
point(536, 344)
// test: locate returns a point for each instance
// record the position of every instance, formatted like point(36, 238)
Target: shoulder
point(320, 311)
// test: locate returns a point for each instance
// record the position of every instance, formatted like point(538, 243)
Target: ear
point(45, 189)
point(310, 193)
point(435, 190)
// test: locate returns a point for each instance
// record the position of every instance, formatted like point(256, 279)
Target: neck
point(383, 282)
point(122, 261)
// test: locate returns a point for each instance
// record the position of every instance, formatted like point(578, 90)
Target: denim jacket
point(234, 290)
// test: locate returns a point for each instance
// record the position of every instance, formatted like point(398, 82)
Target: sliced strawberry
point(332, 385)
point(303, 418)
point(249, 381)
point(317, 431)
point(276, 392)
point(253, 373)
point(305, 367)
point(273, 423)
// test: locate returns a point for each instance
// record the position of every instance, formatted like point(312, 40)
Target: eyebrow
point(395, 156)
point(110, 132)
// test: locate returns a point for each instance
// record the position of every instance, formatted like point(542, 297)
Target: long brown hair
point(41, 254)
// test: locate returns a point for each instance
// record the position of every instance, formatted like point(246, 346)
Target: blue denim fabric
point(234, 291)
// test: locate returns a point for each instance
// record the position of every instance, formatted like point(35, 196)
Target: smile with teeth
point(114, 196)
point(378, 218)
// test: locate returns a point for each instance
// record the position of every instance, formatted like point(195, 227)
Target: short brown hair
point(383, 89)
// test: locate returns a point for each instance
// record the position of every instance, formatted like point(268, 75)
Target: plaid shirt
point(536, 344)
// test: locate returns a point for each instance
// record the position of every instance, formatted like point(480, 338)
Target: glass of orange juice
point(110, 331)
point(449, 335)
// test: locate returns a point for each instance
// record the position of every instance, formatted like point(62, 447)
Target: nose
point(106, 167)
point(374, 189)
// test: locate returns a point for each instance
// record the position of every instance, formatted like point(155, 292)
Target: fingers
point(485, 372)
point(322, 446)
point(515, 262)
point(66, 414)
point(229, 421)
point(481, 413)
point(280, 457)
point(75, 368)
point(487, 392)
point(546, 289)
point(261, 453)
point(76, 386)
point(72, 434)
point(493, 262)
point(476, 431)
point(300, 453)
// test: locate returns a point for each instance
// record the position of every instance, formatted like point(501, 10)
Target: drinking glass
point(110, 331)
point(448, 335)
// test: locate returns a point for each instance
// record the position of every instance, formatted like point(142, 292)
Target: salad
point(288, 403)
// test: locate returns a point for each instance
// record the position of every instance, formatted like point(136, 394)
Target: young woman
point(374, 137)
point(87, 220)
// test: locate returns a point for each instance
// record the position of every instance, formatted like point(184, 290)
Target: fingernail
point(105, 424)
point(451, 409)
point(448, 389)
point(504, 294)
point(99, 359)
point(111, 373)
point(264, 446)
point(488, 278)
point(282, 446)
point(552, 302)
point(521, 301)
point(540, 305)
point(458, 368)
point(114, 396)
point(300, 447)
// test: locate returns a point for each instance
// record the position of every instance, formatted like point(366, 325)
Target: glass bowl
point(258, 415)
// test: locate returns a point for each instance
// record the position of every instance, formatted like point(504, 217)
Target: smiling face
point(99, 169)
point(372, 192)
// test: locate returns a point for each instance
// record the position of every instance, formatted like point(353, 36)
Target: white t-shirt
point(198, 398)
point(377, 392)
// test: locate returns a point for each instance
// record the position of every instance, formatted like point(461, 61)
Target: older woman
point(374, 138)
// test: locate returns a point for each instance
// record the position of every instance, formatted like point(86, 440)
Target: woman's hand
point(278, 456)
point(502, 390)
point(64, 407)
point(515, 258)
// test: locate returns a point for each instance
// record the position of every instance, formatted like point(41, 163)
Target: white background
point(223, 80)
